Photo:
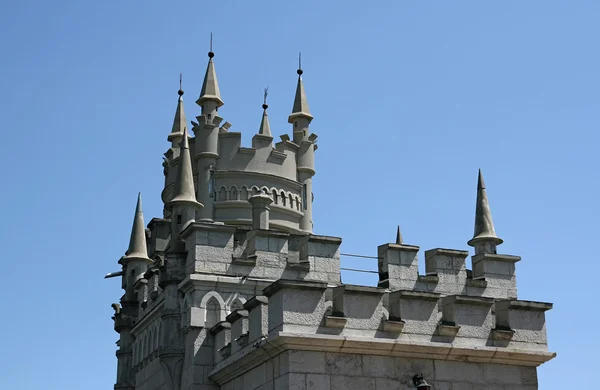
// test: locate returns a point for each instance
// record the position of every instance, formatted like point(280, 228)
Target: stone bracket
point(335, 321)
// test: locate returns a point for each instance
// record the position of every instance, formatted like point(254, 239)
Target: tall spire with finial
point(184, 183)
point(300, 109)
point(398, 236)
point(210, 86)
point(265, 127)
point(484, 236)
point(137, 242)
point(180, 122)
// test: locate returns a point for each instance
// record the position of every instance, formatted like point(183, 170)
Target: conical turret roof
point(137, 243)
point(180, 122)
point(300, 108)
point(210, 86)
point(484, 226)
point(184, 182)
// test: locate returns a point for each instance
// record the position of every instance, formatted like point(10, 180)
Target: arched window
point(274, 194)
point(212, 313)
point(244, 193)
point(233, 194)
point(283, 198)
point(291, 201)
point(222, 194)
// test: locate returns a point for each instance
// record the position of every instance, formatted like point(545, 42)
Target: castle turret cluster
point(231, 289)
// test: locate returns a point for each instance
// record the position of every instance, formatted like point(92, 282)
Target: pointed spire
point(180, 122)
point(484, 226)
point(399, 236)
point(265, 127)
point(184, 182)
point(210, 86)
point(137, 243)
point(300, 108)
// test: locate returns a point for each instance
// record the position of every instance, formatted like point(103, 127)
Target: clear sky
point(410, 98)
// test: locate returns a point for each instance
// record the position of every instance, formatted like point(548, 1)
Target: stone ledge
point(335, 321)
point(206, 227)
point(394, 326)
point(220, 326)
point(446, 252)
point(495, 257)
point(363, 289)
point(256, 301)
point(468, 300)
point(236, 315)
point(293, 284)
point(411, 294)
point(399, 247)
point(325, 239)
point(524, 305)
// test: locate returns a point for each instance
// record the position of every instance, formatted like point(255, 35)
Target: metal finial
point(210, 53)
point(180, 92)
point(265, 105)
point(300, 64)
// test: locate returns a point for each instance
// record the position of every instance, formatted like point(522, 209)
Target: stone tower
point(232, 290)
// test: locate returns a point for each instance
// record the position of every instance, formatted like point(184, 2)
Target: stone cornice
point(263, 350)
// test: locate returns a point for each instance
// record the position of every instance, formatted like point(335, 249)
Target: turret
point(264, 137)
point(484, 238)
point(179, 123)
point(207, 139)
point(136, 261)
point(301, 118)
point(172, 155)
point(184, 205)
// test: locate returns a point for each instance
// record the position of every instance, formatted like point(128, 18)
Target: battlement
point(263, 254)
point(493, 275)
point(314, 316)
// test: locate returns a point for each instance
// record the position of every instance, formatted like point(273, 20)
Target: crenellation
point(466, 317)
point(398, 266)
point(258, 318)
point(239, 329)
point(417, 310)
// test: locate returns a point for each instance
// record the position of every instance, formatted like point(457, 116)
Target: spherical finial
point(180, 92)
point(299, 71)
point(265, 106)
point(211, 54)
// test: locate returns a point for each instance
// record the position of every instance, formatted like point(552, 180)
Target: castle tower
point(232, 289)
point(135, 263)
point(300, 118)
point(207, 141)
point(171, 161)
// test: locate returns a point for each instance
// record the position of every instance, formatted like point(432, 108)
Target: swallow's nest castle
point(231, 289)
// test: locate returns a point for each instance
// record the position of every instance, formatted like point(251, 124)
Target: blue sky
point(410, 98)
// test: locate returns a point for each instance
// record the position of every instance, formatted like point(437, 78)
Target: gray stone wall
point(307, 370)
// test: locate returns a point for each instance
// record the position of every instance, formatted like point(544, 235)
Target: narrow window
point(179, 219)
point(304, 196)
point(211, 183)
point(209, 116)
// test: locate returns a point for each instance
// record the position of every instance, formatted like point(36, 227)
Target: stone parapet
point(263, 254)
point(446, 272)
point(375, 321)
